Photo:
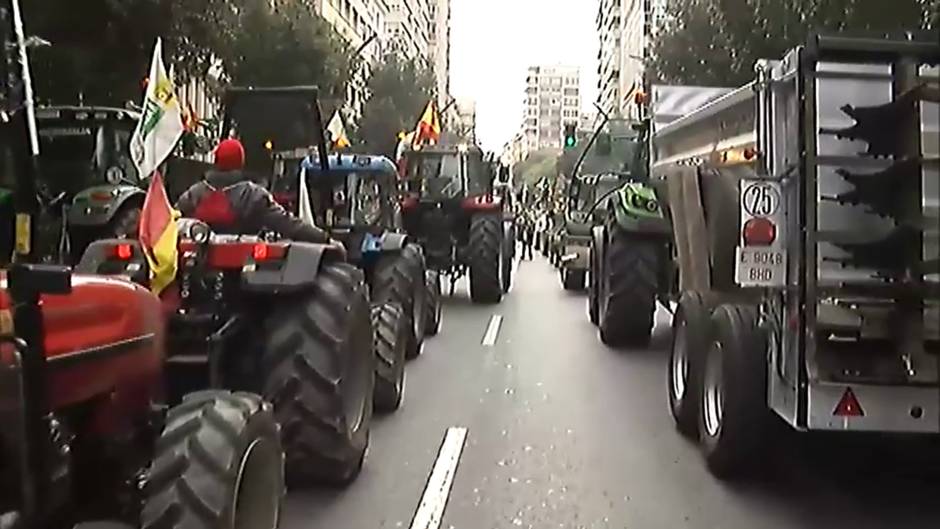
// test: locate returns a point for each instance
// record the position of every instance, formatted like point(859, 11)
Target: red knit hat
point(230, 155)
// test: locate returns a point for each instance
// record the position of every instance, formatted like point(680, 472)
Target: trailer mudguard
point(96, 206)
point(297, 272)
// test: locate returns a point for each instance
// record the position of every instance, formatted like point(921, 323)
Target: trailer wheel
point(435, 310)
point(320, 374)
point(219, 463)
point(486, 250)
point(390, 331)
point(734, 392)
point(399, 278)
point(691, 335)
point(628, 291)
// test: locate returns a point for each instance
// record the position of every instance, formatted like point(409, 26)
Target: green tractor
point(574, 239)
point(630, 259)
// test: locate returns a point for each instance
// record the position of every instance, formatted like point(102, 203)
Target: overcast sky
point(494, 41)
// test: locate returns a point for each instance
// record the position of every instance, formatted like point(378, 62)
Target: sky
point(493, 42)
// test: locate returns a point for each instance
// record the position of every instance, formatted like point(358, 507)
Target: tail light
point(100, 196)
point(759, 231)
point(123, 251)
point(266, 252)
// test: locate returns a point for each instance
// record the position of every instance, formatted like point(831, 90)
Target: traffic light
point(571, 135)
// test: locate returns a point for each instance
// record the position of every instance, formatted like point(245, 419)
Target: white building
point(409, 27)
point(439, 52)
point(357, 21)
point(466, 122)
point(553, 99)
point(626, 29)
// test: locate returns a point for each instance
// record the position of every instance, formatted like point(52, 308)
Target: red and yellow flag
point(158, 234)
point(428, 129)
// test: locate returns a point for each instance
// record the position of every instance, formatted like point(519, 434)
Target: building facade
point(409, 27)
point(439, 52)
point(552, 99)
point(626, 29)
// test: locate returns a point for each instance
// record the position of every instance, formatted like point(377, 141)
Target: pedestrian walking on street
point(528, 238)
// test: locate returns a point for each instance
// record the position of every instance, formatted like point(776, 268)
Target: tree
point(717, 42)
point(399, 90)
point(101, 51)
point(539, 164)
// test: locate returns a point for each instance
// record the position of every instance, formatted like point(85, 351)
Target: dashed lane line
point(492, 330)
point(436, 493)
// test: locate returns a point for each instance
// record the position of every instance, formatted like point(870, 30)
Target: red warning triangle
point(848, 406)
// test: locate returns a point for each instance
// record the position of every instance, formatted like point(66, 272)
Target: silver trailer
point(806, 220)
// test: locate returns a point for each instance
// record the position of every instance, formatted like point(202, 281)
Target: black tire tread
point(485, 266)
point(397, 278)
point(192, 479)
point(390, 334)
point(736, 451)
point(307, 346)
point(433, 283)
point(631, 299)
point(695, 309)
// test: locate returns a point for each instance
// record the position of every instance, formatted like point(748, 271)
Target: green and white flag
point(161, 122)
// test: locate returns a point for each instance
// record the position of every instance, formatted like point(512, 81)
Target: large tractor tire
point(691, 338)
point(628, 285)
point(572, 280)
point(399, 278)
point(734, 414)
point(390, 337)
point(320, 373)
point(593, 287)
point(125, 223)
point(435, 309)
point(486, 250)
point(219, 463)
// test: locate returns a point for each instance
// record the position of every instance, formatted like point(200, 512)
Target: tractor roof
point(360, 163)
point(80, 113)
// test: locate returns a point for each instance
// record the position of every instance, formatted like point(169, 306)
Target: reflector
point(123, 251)
point(759, 231)
point(260, 252)
point(848, 406)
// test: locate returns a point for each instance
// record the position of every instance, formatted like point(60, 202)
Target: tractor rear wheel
point(399, 278)
point(435, 311)
point(628, 285)
point(218, 463)
point(506, 259)
point(125, 223)
point(390, 332)
point(486, 251)
point(572, 279)
point(320, 374)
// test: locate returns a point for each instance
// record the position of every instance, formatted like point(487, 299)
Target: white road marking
point(431, 509)
point(492, 330)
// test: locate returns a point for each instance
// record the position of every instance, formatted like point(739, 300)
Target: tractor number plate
point(760, 267)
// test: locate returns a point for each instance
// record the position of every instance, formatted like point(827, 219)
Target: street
point(564, 432)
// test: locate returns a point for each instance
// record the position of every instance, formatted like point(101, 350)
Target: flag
point(429, 127)
point(159, 129)
point(158, 234)
point(337, 132)
point(161, 120)
point(304, 210)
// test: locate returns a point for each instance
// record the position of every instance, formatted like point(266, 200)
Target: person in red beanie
point(229, 202)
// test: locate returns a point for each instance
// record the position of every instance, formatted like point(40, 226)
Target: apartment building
point(626, 29)
point(439, 52)
point(552, 99)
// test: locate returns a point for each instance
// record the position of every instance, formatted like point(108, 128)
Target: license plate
point(761, 267)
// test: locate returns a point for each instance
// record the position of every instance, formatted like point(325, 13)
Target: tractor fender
point(97, 205)
point(636, 209)
point(394, 242)
point(296, 273)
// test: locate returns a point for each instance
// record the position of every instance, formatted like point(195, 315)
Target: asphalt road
point(562, 432)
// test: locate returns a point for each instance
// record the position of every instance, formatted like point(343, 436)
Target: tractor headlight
point(114, 175)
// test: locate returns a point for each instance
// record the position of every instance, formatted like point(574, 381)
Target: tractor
point(580, 218)
point(356, 200)
point(85, 383)
point(449, 206)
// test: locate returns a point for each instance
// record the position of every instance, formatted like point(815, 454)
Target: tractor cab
point(446, 174)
